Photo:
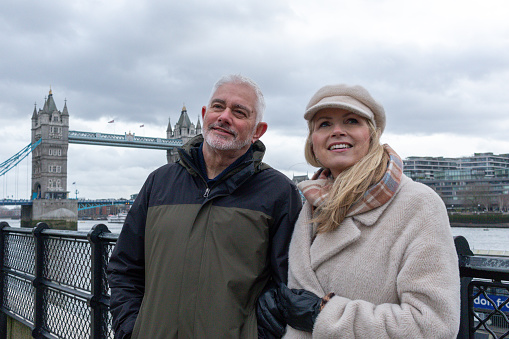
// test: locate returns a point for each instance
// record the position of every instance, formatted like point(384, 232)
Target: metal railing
point(484, 294)
point(54, 282)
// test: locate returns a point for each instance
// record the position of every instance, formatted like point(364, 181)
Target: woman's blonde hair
point(351, 184)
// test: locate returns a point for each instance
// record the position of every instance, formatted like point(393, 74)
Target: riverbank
point(481, 237)
point(475, 225)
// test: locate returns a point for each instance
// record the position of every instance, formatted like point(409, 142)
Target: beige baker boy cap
point(355, 99)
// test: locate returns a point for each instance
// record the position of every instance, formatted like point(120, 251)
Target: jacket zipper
point(190, 163)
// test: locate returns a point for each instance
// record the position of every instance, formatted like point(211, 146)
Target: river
point(496, 239)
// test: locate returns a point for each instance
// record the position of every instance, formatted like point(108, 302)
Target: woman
point(372, 254)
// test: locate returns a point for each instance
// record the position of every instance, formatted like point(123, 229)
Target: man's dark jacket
point(191, 260)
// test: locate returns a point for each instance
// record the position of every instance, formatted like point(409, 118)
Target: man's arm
point(126, 268)
point(282, 234)
point(270, 323)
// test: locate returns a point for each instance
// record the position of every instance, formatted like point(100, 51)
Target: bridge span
point(126, 140)
point(83, 204)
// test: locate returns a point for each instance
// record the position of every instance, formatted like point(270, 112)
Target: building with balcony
point(476, 183)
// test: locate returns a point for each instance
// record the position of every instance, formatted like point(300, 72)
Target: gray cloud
point(139, 62)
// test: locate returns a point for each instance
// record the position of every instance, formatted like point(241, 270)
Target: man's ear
point(261, 128)
point(203, 111)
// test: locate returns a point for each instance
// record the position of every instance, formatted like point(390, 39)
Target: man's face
point(229, 122)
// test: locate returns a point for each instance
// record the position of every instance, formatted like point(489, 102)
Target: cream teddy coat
point(394, 270)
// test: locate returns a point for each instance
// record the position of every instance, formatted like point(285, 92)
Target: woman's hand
point(299, 308)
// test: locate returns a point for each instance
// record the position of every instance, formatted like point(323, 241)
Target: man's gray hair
point(240, 79)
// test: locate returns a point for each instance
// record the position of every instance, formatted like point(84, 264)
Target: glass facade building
point(476, 183)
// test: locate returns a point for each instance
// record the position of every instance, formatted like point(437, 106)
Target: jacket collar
point(258, 151)
point(251, 165)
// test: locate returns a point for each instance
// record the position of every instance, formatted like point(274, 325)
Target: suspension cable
point(10, 163)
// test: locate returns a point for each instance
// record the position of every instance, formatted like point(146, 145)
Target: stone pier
point(57, 213)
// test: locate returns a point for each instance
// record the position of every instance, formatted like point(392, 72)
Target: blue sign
point(482, 302)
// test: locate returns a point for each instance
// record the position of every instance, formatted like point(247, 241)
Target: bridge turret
point(184, 130)
point(169, 132)
point(34, 114)
point(65, 111)
point(65, 118)
point(198, 126)
point(51, 103)
point(45, 107)
point(34, 118)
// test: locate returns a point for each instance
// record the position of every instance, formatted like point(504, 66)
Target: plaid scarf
point(317, 189)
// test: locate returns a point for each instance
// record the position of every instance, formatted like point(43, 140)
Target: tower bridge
point(50, 138)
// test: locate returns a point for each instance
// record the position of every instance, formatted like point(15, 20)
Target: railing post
point(3, 317)
point(99, 311)
point(463, 249)
point(37, 283)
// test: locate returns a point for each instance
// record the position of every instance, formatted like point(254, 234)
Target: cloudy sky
point(439, 67)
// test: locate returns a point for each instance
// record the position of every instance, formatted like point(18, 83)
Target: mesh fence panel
point(19, 297)
point(108, 251)
point(107, 327)
point(66, 316)
point(20, 252)
point(493, 317)
point(67, 261)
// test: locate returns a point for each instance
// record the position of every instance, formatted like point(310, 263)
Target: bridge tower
point(49, 160)
point(184, 129)
point(49, 169)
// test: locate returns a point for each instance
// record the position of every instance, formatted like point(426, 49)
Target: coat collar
point(326, 245)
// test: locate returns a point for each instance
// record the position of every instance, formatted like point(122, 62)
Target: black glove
point(298, 307)
point(268, 315)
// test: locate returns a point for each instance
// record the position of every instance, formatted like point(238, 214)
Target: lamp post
point(298, 163)
point(75, 190)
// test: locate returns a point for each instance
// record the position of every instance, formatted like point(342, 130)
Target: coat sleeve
point(282, 233)
point(427, 285)
point(126, 268)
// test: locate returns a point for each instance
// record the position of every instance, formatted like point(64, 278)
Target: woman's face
point(339, 138)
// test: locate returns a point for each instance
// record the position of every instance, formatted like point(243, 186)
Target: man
point(206, 234)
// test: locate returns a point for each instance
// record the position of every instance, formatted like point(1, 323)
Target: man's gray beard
point(221, 144)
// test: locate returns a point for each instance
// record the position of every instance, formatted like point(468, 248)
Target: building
point(487, 162)
point(184, 129)
point(476, 183)
point(420, 168)
point(49, 159)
